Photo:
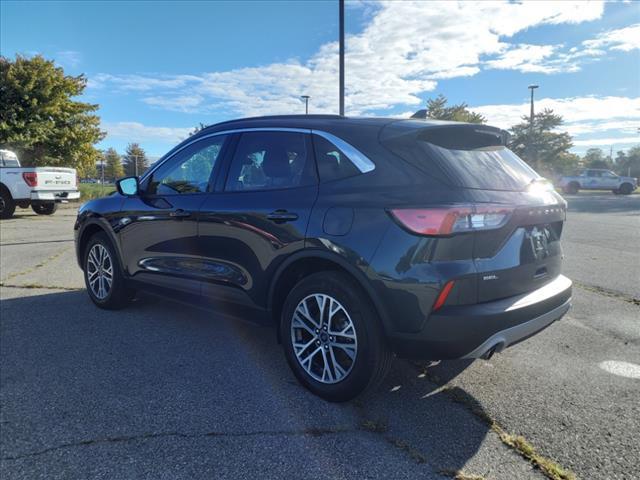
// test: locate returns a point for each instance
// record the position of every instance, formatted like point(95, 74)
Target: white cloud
point(574, 110)
point(624, 39)
point(612, 141)
point(68, 58)
point(526, 58)
point(137, 132)
point(184, 103)
point(401, 53)
point(591, 120)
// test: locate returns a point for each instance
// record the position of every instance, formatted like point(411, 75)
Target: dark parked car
point(357, 238)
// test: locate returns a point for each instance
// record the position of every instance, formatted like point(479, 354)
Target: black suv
point(359, 238)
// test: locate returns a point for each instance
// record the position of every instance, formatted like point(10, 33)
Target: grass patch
point(89, 191)
point(408, 449)
point(547, 466)
point(373, 426)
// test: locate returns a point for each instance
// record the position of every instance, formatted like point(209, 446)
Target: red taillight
point(454, 219)
point(442, 297)
point(30, 178)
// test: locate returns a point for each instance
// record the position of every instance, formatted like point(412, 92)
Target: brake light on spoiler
point(445, 221)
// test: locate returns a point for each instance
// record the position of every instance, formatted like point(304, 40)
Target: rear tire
point(346, 353)
point(103, 277)
point(45, 208)
point(7, 205)
point(626, 189)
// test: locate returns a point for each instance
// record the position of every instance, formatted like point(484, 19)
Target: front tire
point(103, 276)
point(333, 338)
point(572, 188)
point(45, 208)
point(7, 205)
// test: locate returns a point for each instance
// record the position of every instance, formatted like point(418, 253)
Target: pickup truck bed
point(41, 188)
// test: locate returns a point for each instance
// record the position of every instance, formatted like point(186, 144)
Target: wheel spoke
point(340, 372)
point(348, 348)
point(324, 338)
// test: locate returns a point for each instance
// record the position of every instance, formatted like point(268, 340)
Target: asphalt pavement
point(164, 390)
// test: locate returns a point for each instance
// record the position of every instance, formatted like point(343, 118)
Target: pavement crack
point(517, 443)
point(607, 292)
point(310, 432)
point(40, 287)
point(37, 266)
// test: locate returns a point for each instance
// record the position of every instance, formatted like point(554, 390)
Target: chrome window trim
point(360, 160)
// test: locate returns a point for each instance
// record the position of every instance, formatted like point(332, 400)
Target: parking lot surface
point(164, 390)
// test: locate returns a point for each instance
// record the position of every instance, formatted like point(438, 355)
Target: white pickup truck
point(598, 179)
point(42, 188)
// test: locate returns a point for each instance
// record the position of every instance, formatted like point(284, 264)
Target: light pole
point(341, 22)
point(306, 103)
point(532, 154)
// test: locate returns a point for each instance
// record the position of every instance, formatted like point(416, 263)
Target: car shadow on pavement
point(75, 376)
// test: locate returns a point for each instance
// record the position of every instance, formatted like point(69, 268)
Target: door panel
point(159, 228)
point(262, 216)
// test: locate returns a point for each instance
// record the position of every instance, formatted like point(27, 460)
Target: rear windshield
point(463, 155)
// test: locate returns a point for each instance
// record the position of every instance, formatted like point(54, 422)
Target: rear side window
point(271, 160)
point(333, 164)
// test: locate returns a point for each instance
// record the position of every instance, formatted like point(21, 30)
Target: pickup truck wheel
point(7, 205)
point(103, 277)
point(626, 189)
point(572, 188)
point(45, 208)
point(333, 338)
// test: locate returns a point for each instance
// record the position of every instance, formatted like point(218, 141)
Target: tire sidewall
point(9, 204)
point(364, 320)
point(101, 239)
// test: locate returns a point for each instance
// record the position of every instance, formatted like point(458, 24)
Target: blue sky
point(157, 69)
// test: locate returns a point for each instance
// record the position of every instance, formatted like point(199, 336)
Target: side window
point(189, 170)
point(333, 164)
point(592, 173)
point(271, 160)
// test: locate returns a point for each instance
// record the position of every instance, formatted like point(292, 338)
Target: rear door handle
point(281, 216)
point(179, 213)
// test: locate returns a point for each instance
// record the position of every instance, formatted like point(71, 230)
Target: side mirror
point(128, 186)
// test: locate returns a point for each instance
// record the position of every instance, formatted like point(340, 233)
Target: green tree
point(629, 163)
point(437, 109)
point(39, 118)
point(595, 158)
point(113, 168)
point(197, 128)
point(544, 148)
point(135, 160)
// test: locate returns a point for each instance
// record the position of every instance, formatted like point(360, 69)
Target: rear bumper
point(476, 331)
point(54, 195)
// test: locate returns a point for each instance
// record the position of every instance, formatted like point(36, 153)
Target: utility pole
point(102, 168)
point(341, 7)
point(532, 155)
point(306, 103)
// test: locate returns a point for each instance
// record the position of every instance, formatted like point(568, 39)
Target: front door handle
point(179, 213)
point(281, 216)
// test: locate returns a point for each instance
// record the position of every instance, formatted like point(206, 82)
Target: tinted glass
point(491, 168)
point(470, 157)
point(270, 160)
point(333, 164)
point(188, 171)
